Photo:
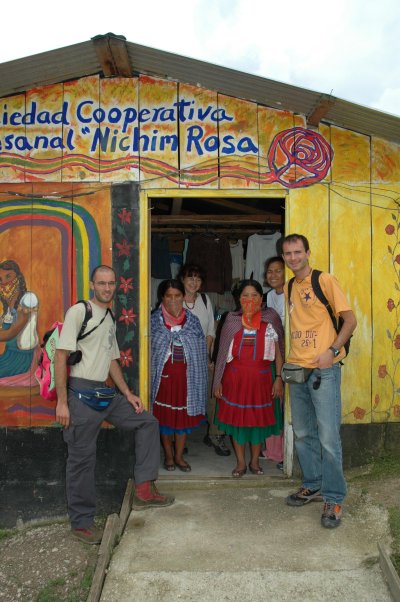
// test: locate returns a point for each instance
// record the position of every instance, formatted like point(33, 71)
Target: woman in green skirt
point(251, 342)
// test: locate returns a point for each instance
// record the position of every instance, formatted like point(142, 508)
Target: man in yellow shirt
point(316, 403)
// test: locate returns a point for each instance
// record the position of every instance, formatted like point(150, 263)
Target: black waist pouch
point(98, 399)
point(293, 374)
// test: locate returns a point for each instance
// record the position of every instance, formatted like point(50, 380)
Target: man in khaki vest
point(81, 412)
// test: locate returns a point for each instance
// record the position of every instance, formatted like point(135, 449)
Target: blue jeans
point(316, 417)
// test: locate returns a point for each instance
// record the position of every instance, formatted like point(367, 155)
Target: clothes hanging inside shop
point(225, 262)
point(160, 262)
point(260, 247)
point(213, 254)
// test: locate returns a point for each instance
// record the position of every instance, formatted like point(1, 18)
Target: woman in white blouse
point(192, 277)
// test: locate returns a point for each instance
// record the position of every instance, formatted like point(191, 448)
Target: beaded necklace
point(7, 291)
point(194, 303)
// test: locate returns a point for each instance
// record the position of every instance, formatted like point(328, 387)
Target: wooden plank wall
point(342, 190)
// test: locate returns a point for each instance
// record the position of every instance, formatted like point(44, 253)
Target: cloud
point(349, 47)
point(389, 101)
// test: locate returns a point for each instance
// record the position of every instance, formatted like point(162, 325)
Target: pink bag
point(274, 448)
point(44, 373)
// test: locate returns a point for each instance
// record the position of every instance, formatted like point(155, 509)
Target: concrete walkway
point(238, 540)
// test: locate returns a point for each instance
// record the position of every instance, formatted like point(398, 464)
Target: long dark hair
point(165, 285)
point(277, 259)
point(191, 269)
point(9, 265)
point(249, 282)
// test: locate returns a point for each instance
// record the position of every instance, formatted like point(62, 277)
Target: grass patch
point(81, 592)
point(52, 591)
point(394, 523)
point(4, 533)
point(380, 467)
point(379, 470)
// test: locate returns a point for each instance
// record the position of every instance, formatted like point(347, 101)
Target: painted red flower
point(390, 305)
point(397, 342)
point(359, 413)
point(396, 411)
point(397, 259)
point(124, 248)
point(125, 216)
point(128, 317)
point(376, 400)
point(126, 358)
point(389, 229)
point(382, 372)
point(125, 284)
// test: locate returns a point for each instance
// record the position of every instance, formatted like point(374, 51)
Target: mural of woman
point(17, 328)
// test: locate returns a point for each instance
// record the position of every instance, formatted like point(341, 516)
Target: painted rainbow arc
point(80, 241)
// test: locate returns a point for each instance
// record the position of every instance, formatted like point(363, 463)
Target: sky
point(347, 48)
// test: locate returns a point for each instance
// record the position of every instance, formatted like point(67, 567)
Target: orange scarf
point(171, 320)
point(251, 317)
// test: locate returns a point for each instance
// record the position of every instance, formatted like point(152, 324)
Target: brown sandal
point(257, 471)
point(183, 467)
point(238, 472)
point(169, 467)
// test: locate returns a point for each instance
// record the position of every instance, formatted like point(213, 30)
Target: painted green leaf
point(123, 300)
point(129, 336)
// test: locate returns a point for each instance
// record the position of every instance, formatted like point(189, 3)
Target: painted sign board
point(341, 189)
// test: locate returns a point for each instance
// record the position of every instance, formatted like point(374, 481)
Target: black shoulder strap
point(315, 274)
point(88, 315)
point(290, 286)
point(204, 297)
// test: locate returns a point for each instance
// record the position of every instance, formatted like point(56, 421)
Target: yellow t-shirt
point(311, 328)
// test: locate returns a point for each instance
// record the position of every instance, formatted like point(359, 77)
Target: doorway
point(177, 217)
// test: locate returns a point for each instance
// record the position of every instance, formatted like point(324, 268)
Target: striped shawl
point(194, 346)
point(233, 324)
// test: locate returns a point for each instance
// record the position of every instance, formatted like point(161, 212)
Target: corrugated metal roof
point(82, 59)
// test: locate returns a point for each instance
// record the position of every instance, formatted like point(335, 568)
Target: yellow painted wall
point(385, 277)
point(342, 189)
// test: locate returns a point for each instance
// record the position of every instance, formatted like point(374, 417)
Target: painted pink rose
point(396, 411)
point(127, 316)
point(126, 216)
point(397, 342)
point(382, 372)
point(126, 284)
point(397, 259)
point(389, 229)
point(124, 248)
point(126, 358)
point(359, 413)
point(390, 305)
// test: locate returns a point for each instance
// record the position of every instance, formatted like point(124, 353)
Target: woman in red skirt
point(178, 372)
point(251, 340)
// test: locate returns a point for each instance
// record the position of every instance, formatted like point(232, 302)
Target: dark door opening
point(175, 222)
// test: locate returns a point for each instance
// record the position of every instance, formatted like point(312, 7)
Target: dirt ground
point(46, 564)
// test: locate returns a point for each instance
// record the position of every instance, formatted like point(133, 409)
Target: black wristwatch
point(334, 351)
